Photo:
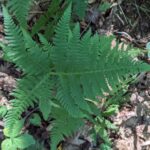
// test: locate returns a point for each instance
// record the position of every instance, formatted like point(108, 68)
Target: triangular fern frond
point(81, 68)
point(88, 65)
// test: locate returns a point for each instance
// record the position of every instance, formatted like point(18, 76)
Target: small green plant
point(21, 142)
point(102, 125)
point(60, 76)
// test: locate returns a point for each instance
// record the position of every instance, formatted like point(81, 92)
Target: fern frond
point(20, 9)
point(61, 38)
point(26, 54)
point(23, 50)
point(34, 64)
point(26, 95)
point(79, 7)
point(14, 37)
point(87, 67)
point(44, 19)
point(64, 126)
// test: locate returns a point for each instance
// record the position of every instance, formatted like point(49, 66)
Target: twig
point(120, 19)
point(30, 113)
point(137, 9)
point(123, 14)
point(27, 117)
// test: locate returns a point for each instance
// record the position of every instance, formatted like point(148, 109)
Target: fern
point(53, 8)
point(64, 125)
point(79, 7)
point(64, 73)
point(20, 9)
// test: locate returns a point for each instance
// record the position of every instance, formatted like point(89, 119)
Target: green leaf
point(105, 147)
point(104, 6)
point(17, 130)
point(24, 141)
point(37, 146)
point(104, 135)
point(80, 7)
point(21, 142)
point(64, 125)
point(2, 45)
point(112, 109)
point(7, 144)
point(110, 125)
point(35, 120)
point(20, 9)
point(45, 107)
point(3, 111)
point(134, 52)
point(53, 8)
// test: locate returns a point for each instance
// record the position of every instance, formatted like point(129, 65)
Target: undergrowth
point(63, 77)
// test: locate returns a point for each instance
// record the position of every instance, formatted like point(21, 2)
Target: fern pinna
point(62, 75)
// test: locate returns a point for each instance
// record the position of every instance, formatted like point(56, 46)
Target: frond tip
point(20, 9)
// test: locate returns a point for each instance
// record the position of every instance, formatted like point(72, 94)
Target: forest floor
point(129, 21)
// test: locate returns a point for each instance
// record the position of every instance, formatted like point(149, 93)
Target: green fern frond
point(14, 37)
point(23, 50)
point(34, 64)
point(86, 67)
point(45, 44)
point(79, 7)
point(26, 95)
point(20, 9)
point(44, 19)
point(64, 126)
point(61, 38)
